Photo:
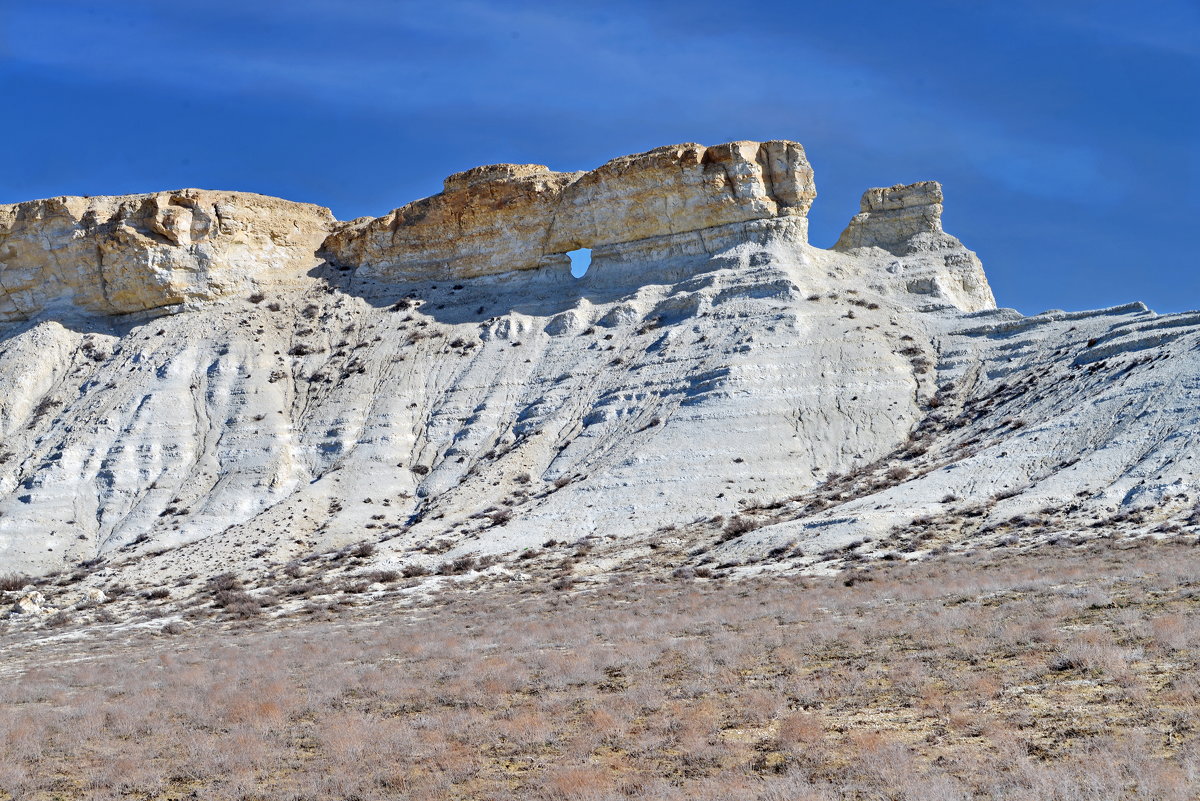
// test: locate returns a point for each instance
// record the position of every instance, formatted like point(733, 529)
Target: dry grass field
point(1066, 672)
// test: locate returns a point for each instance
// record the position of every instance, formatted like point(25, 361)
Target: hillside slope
point(269, 382)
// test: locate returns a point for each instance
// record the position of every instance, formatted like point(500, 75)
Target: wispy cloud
point(399, 55)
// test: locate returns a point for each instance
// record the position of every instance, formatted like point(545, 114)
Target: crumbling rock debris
point(32, 604)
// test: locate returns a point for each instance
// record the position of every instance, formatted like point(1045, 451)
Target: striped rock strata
point(507, 217)
point(137, 253)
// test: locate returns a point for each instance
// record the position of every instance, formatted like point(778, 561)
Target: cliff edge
point(672, 207)
point(507, 217)
point(138, 253)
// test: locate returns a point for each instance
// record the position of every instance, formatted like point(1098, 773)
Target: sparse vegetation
point(362, 550)
point(1064, 674)
point(460, 565)
point(11, 582)
point(237, 603)
point(737, 526)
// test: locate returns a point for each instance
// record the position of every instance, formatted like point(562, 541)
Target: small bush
point(737, 526)
point(384, 576)
point(362, 550)
point(307, 589)
point(238, 603)
point(460, 565)
point(58, 620)
point(45, 406)
point(224, 582)
point(11, 582)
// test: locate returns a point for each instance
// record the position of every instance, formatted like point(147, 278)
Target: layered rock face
point(520, 216)
point(900, 219)
point(714, 365)
point(137, 253)
point(906, 221)
point(672, 207)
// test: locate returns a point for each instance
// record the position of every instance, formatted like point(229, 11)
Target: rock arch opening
point(581, 260)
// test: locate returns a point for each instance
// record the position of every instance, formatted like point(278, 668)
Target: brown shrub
point(737, 526)
point(460, 565)
point(224, 581)
point(11, 582)
point(580, 783)
point(238, 603)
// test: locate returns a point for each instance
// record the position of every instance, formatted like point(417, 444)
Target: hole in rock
point(581, 259)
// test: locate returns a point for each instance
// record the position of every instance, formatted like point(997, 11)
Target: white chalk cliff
point(197, 379)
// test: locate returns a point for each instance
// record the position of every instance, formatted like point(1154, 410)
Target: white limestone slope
point(849, 392)
point(1077, 424)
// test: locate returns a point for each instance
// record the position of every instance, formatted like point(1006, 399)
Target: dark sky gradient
point(1066, 134)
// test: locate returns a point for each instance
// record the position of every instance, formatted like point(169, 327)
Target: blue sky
point(1066, 134)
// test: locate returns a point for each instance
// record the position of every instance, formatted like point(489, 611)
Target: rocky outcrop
point(507, 217)
point(136, 253)
point(32, 604)
point(906, 221)
point(900, 219)
point(658, 215)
